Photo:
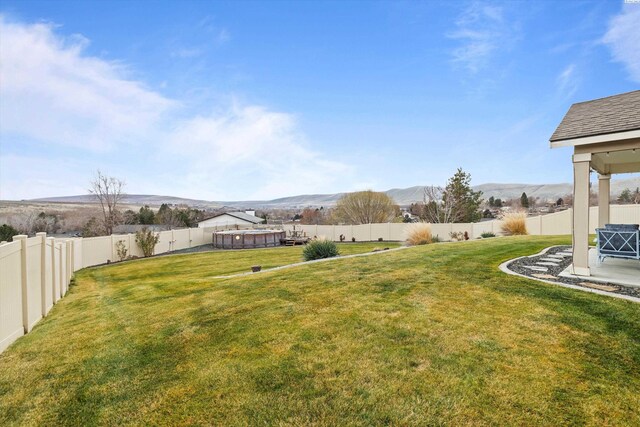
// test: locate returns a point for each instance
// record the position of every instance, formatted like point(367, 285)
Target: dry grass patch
point(514, 224)
point(419, 234)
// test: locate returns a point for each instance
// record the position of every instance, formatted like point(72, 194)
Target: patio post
point(581, 170)
point(604, 186)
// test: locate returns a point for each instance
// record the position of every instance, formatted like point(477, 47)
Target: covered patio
point(605, 136)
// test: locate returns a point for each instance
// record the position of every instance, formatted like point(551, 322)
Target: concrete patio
point(611, 270)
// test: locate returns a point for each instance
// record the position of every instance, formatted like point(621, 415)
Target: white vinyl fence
point(546, 225)
point(35, 272)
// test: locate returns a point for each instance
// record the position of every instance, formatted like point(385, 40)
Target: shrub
point(318, 249)
point(147, 240)
point(514, 224)
point(121, 250)
point(456, 235)
point(435, 239)
point(419, 234)
point(487, 234)
point(7, 232)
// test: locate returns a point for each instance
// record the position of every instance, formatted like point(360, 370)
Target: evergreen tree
point(625, 197)
point(524, 201)
point(457, 202)
point(7, 232)
point(146, 215)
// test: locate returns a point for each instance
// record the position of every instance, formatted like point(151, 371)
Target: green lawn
point(432, 335)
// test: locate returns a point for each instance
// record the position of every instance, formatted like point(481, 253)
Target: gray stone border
point(504, 268)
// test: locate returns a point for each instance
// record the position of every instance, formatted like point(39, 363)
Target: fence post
point(60, 265)
point(54, 297)
point(189, 236)
point(69, 259)
point(43, 270)
point(22, 238)
point(113, 254)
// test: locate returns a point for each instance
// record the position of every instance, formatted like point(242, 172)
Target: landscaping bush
point(514, 224)
point(318, 249)
point(147, 240)
point(121, 250)
point(457, 236)
point(7, 232)
point(487, 234)
point(419, 234)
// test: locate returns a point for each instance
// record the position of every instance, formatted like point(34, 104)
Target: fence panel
point(64, 285)
point(11, 326)
point(165, 243)
point(198, 237)
point(379, 231)
point(362, 232)
point(34, 281)
point(556, 223)
point(96, 250)
point(47, 277)
point(181, 239)
point(625, 214)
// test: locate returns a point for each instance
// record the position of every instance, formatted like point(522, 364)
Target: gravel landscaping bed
point(554, 261)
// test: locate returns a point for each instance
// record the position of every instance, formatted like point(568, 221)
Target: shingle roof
point(612, 114)
point(240, 215)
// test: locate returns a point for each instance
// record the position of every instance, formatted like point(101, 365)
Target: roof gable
point(613, 114)
point(239, 215)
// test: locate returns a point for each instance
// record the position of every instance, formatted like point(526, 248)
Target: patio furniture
point(618, 241)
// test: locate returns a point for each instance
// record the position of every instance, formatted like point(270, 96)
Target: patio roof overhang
point(605, 136)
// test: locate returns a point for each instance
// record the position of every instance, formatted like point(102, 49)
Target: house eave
point(596, 139)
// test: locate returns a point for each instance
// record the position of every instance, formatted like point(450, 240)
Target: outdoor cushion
point(629, 227)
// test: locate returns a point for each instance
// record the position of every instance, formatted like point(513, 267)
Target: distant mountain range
point(402, 196)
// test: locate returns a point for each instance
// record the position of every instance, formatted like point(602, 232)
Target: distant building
point(231, 218)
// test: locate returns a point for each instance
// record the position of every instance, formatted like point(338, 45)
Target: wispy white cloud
point(568, 81)
point(481, 30)
point(54, 94)
point(623, 38)
point(255, 145)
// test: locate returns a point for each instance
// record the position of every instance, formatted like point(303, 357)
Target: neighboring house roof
point(618, 113)
point(240, 215)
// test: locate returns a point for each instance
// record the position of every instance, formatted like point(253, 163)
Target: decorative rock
point(534, 268)
point(599, 286)
point(544, 276)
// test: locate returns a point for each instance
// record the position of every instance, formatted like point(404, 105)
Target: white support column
point(581, 170)
point(604, 194)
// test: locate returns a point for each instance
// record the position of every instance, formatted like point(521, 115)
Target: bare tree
point(437, 208)
point(109, 192)
point(365, 207)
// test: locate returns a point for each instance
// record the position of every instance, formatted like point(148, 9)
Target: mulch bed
point(519, 266)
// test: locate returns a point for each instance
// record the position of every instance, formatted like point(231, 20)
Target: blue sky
point(251, 100)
